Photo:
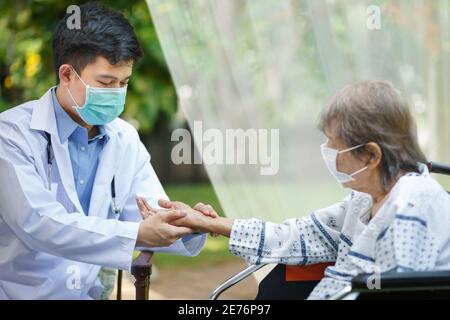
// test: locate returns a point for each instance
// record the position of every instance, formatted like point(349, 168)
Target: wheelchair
point(296, 282)
point(285, 282)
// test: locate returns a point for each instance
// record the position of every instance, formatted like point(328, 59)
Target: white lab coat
point(49, 248)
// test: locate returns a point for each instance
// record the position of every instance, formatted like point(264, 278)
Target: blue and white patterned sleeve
point(302, 241)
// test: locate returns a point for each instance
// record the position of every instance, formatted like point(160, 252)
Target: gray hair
point(375, 111)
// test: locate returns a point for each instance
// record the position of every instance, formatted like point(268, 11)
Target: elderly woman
point(396, 217)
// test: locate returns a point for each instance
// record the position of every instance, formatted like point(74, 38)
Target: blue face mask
point(102, 105)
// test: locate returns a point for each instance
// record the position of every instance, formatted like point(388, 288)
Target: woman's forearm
point(220, 225)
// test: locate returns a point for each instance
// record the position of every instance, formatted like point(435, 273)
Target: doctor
point(70, 171)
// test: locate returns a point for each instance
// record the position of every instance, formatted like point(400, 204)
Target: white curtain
point(260, 65)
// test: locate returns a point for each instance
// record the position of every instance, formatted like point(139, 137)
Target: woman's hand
point(193, 218)
point(205, 209)
point(146, 210)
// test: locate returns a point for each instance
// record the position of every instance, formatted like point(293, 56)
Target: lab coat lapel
point(107, 167)
point(43, 119)
point(62, 158)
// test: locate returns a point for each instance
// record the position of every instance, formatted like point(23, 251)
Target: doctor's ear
point(65, 74)
point(374, 154)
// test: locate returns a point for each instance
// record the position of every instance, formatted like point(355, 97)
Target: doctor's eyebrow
point(112, 77)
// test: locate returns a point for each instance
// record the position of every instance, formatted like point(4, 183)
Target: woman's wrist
point(219, 225)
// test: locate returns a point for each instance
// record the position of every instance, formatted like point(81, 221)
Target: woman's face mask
point(330, 157)
point(102, 105)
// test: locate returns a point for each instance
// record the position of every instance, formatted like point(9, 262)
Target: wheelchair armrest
point(141, 269)
point(234, 280)
point(400, 281)
point(439, 168)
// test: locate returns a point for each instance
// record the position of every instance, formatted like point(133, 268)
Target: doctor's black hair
point(103, 32)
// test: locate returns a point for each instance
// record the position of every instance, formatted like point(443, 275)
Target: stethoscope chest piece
point(114, 206)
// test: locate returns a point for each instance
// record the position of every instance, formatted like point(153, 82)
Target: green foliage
point(193, 194)
point(215, 251)
point(26, 70)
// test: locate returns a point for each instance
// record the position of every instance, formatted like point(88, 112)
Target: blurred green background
point(26, 70)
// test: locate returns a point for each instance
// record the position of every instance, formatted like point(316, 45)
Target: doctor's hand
point(157, 231)
point(199, 222)
point(146, 210)
point(205, 209)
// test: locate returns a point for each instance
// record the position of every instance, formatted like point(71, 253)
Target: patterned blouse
point(411, 231)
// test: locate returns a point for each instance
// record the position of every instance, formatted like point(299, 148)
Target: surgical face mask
point(330, 157)
point(102, 105)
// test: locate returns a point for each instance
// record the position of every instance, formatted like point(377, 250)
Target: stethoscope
point(114, 206)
